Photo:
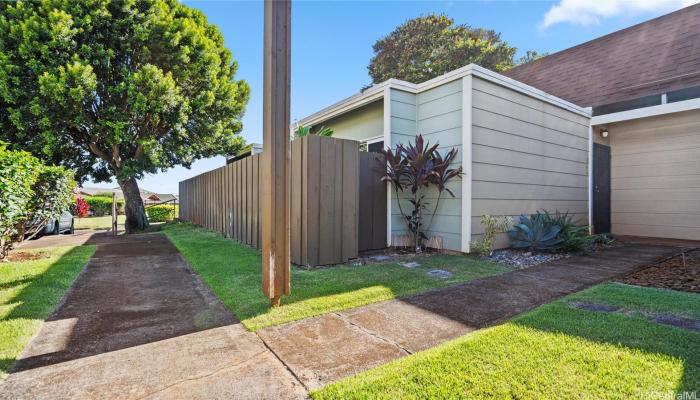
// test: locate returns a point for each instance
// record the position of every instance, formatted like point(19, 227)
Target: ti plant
point(413, 169)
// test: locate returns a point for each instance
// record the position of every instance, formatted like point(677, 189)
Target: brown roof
point(650, 58)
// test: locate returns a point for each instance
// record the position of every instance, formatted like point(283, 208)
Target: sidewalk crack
point(372, 333)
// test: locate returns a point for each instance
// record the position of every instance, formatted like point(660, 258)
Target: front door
point(601, 188)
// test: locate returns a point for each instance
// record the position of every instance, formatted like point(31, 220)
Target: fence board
point(325, 201)
point(372, 203)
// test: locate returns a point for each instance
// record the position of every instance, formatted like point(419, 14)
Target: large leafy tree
point(429, 46)
point(117, 89)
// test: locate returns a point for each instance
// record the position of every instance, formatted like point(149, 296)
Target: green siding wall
point(437, 115)
point(527, 155)
point(361, 124)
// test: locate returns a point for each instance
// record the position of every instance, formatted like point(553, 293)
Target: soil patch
point(680, 272)
point(26, 256)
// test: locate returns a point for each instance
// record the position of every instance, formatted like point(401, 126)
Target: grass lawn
point(104, 222)
point(232, 271)
point(29, 291)
point(552, 352)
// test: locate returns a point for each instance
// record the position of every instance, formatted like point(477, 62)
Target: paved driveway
point(138, 323)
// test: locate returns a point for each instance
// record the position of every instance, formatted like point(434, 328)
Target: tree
point(425, 47)
point(530, 55)
point(117, 89)
point(302, 131)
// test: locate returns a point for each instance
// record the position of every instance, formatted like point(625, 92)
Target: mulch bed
point(680, 272)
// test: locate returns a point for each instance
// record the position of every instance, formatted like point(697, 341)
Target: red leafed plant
point(415, 168)
point(81, 207)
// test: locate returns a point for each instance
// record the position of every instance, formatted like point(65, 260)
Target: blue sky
point(332, 44)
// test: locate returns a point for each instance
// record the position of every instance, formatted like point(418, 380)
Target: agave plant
point(536, 232)
point(414, 168)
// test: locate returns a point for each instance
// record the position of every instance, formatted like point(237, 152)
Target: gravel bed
point(523, 259)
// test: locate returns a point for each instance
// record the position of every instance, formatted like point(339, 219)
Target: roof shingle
point(653, 57)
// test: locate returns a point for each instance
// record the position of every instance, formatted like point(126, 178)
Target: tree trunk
point(136, 219)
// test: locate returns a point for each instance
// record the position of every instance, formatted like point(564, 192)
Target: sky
point(332, 45)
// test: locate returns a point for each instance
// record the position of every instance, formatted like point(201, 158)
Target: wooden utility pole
point(276, 151)
point(114, 213)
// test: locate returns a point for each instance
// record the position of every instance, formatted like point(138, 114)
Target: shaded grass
point(29, 291)
point(233, 272)
point(552, 352)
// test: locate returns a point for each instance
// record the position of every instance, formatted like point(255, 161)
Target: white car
point(63, 224)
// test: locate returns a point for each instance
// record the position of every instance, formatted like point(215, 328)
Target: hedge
point(102, 205)
point(161, 213)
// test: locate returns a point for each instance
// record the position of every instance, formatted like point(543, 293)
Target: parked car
point(64, 224)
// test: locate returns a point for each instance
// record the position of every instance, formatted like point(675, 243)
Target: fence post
point(275, 182)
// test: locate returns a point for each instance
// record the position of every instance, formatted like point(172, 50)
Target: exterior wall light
point(604, 133)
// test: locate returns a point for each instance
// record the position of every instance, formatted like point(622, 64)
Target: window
point(373, 145)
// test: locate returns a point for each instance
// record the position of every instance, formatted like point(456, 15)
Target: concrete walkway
point(138, 323)
point(332, 346)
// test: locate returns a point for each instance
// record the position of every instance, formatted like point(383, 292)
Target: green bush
point(160, 213)
point(576, 237)
point(102, 205)
point(29, 191)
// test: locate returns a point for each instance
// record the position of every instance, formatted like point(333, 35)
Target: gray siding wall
point(437, 115)
point(527, 155)
point(655, 176)
point(361, 124)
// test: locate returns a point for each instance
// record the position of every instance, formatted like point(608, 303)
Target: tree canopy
point(116, 89)
point(429, 46)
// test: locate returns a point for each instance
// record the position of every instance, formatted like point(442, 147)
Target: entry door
point(601, 188)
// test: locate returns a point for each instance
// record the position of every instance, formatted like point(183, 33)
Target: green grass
point(104, 222)
point(232, 271)
point(552, 352)
point(29, 291)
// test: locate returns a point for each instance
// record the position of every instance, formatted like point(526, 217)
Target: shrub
point(29, 191)
point(160, 213)
point(81, 208)
point(536, 233)
point(492, 226)
point(102, 205)
point(576, 237)
point(413, 169)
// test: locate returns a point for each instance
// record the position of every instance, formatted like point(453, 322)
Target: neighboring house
point(249, 150)
point(147, 196)
point(643, 84)
point(525, 141)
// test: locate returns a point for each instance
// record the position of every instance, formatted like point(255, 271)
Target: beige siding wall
point(527, 155)
point(437, 115)
point(655, 176)
point(361, 124)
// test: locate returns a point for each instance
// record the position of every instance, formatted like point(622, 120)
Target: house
point(249, 150)
point(521, 149)
point(623, 108)
point(147, 196)
point(643, 84)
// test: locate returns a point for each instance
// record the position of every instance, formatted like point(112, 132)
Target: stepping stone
point(440, 273)
point(381, 258)
point(593, 306)
point(412, 264)
point(679, 322)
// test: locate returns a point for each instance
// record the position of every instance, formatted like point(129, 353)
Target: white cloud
point(590, 12)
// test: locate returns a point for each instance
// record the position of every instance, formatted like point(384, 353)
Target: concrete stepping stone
point(440, 273)
point(412, 264)
point(381, 258)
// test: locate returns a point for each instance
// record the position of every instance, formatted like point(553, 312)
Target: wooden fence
point(324, 200)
